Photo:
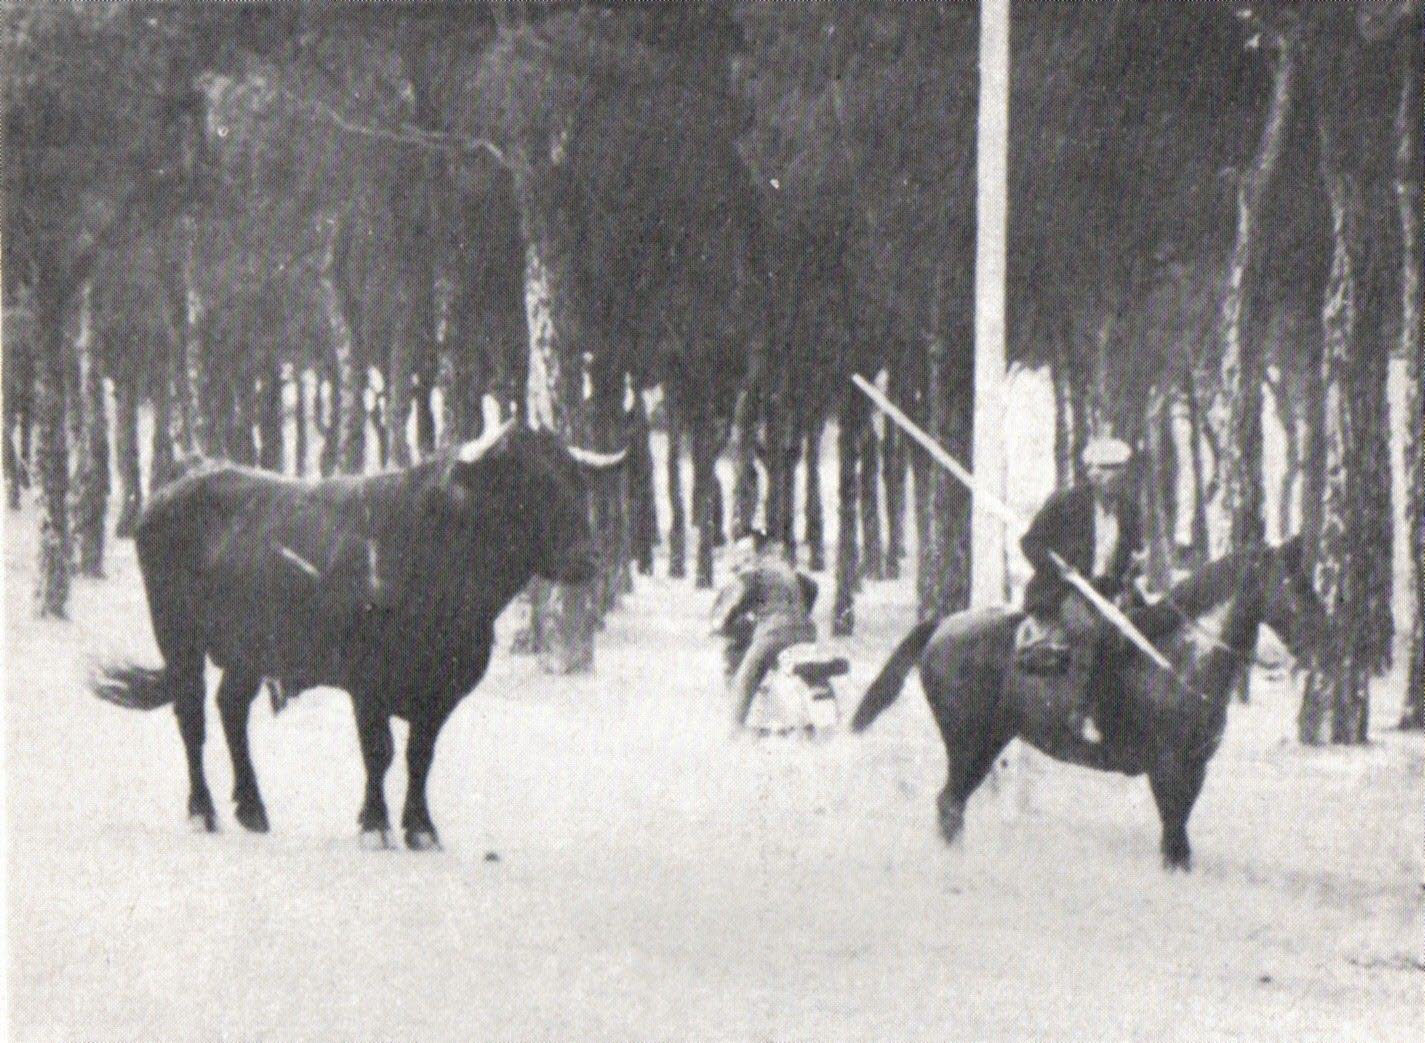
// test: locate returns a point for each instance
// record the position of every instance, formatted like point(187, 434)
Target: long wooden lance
point(988, 501)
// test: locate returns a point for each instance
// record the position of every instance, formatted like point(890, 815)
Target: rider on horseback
point(1094, 527)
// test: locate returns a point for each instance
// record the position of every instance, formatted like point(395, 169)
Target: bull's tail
point(134, 687)
point(889, 682)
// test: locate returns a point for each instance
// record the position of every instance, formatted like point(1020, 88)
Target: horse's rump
point(971, 647)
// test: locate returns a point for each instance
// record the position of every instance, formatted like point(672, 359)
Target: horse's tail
point(134, 687)
point(889, 682)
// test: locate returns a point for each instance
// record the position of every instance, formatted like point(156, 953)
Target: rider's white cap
point(1107, 452)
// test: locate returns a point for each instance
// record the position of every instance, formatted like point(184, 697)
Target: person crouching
point(765, 609)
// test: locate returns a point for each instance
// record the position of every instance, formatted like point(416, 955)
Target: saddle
point(818, 669)
point(1042, 650)
point(797, 695)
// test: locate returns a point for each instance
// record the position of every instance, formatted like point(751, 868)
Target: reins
point(1211, 638)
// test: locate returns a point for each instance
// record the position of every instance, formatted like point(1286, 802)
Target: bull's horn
point(598, 461)
point(476, 448)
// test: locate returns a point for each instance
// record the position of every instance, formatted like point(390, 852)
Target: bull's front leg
point(420, 751)
point(373, 729)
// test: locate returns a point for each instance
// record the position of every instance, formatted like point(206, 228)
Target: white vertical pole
point(987, 562)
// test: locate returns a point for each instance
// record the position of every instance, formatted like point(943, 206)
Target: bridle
point(1212, 639)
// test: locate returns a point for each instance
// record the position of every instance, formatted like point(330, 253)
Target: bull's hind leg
point(373, 729)
point(1176, 784)
point(188, 698)
point(235, 695)
point(415, 817)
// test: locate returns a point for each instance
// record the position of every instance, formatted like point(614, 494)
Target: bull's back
point(211, 548)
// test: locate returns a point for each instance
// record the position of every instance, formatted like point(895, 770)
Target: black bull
point(387, 586)
point(1165, 725)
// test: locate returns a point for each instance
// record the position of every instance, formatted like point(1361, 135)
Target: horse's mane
point(1210, 585)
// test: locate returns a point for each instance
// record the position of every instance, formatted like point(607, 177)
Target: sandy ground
point(657, 881)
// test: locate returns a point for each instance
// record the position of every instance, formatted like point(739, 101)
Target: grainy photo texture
point(713, 521)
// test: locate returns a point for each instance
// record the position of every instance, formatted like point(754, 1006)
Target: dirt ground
point(615, 868)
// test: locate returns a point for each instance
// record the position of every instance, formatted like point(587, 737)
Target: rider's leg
point(1085, 636)
point(769, 639)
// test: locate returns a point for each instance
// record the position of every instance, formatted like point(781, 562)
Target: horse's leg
point(189, 695)
point(1176, 783)
point(236, 692)
point(972, 743)
point(373, 729)
point(420, 751)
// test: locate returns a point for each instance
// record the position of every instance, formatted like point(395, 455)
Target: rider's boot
point(1041, 646)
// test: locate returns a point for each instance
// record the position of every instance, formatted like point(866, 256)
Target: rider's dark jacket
point(1065, 524)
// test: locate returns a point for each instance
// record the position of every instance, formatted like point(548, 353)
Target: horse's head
point(1291, 607)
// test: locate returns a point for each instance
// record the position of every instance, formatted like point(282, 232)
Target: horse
point(1163, 724)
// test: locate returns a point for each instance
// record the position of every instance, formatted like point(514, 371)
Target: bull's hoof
point(253, 818)
point(375, 840)
point(422, 840)
point(1175, 862)
point(202, 816)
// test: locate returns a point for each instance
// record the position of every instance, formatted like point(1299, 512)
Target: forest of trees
point(320, 237)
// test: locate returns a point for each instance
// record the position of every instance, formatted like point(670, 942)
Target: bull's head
point(542, 489)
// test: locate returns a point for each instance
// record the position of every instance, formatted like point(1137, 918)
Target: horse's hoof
point(375, 840)
point(952, 819)
point(422, 840)
point(202, 822)
point(253, 818)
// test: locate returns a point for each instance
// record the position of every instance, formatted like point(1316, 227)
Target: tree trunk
point(1065, 422)
point(555, 396)
point(610, 494)
point(1336, 690)
point(642, 501)
point(93, 501)
point(198, 429)
point(678, 518)
point(471, 357)
point(1412, 348)
point(1287, 402)
point(893, 475)
point(1201, 538)
point(924, 543)
point(1237, 408)
point(241, 417)
point(950, 397)
point(815, 511)
point(270, 417)
point(1374, 524)
point(776, 414)
point(872, 557)
point(850, 418)
point(19, 406)
point(744, 495)
point(126, 446)
point(300, 448)
point(161, 458)
point(52, 455)
point(344, 448)
point(380, 414)
point(704, 507)
point(1160, 479)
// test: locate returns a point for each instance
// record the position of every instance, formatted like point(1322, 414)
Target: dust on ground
point(652, 879)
